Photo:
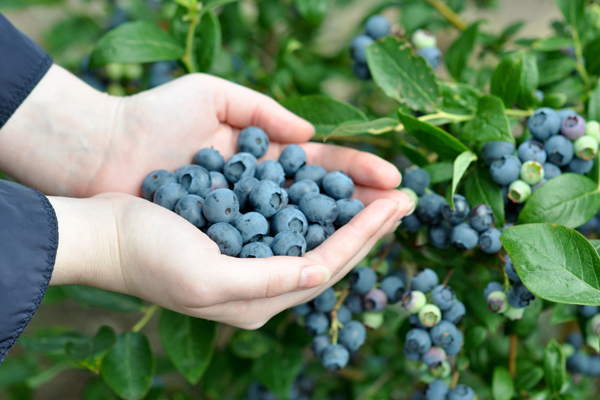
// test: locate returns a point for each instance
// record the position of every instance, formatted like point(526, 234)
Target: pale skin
point(90, 151)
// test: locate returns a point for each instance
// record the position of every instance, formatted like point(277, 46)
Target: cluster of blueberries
point(434, 314)
point(375, 28)
point(579, 361)
point(303, 389)
point(426, 45)
point(259, 217)
point(561, 142)
point(329, 318)
point(461, 227)
point(439, 390)
point(513, 304)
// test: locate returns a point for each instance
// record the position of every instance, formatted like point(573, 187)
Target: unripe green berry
point(413, 196)
point(592, 129)
point(116, 89)
point(414, 301)
point(443, 371)
point(519, 191)
point(567, 349)
point(532, 172)
point(133, 72)
point(594, 325)
point(430, 315)
point(422, 39)
point(514, 313)
point(115, 71)
point(586, 147)
point(592, 341)
point(373, 320)
point(497, 302)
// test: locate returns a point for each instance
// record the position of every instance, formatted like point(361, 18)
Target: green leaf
point(458, 98)
point(16, 4)
point(314, 11)
point(250, 344)
point(596, 244)
point(98, 390)
point(480, 189)
point(54, 339)
point(529, 378)
point(129, 366)
point(458, 54)
point(432, 137)
point(375, 127)
point(572, 10)
point(212, 4)
point(461, 164)
point(135, 42)
point(591, 53)
point(554, 100)
point(440, 171)
point(594, 103)
point(413, 154)
point(555, 43)
point(325, 113)
point(89, 353)
point(281, 379)
point(572, 87)
point(207, 43)
point(554, 70)
point(92, 297)
point(529, 81)
point(562, 313)
point(569, 199)
point(71, 31)
point(503, 387)
point(403, 76)
point(555, 263)
point(555, 372)
point(506, 79)
point(189, 343)
point(490, 123)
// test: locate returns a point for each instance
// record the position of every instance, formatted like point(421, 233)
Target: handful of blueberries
point(244, 206)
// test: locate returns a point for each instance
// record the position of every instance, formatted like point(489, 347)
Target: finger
point(368, 195)
point(241, 107)
point(364, 168)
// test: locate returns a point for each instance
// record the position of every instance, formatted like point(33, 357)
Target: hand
point(126, 244)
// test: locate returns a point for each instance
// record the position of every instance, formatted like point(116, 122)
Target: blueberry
point(411, 223)
point(411, 355)
point(362, 279)
point(393, 287)
point(354, 303)
point(358, 48)
point(168, 195)
point(414, 301)
point(573, 127)
point(481, 218)
point(510, 270)
point(579, 166)
point(210, 159)
point(460, 212)
point(268, 240)
point(532, 172)
point(519, 296)
point(457, 343)
point(316, 323)
point(241, 165)
point(575, 339)
point(519, 191)
point(463, 237)
point(424, 281)
point(443, 334)
point(344, 315)
point(578, 363)
point(243, 188)
point(222, 205)
point(226, 237)
point(179, 172)
point(302, 310)
point(422, 39)
point(319, 208)
point(292, 158)
point(256, 250)
point(593, 366)
point(377, 26)
point(315, 235)
point(432, 55)
point(560, 150)
point(416, 179)
point(352, 335)
point(430, 207)
point(434, 357)
point(196, 180)
point(300, 188)
point(443, 296)
point(586, 147)
point(489, 241)
point(417, 341)
point(455, 313)
point(461, 392)
point(505, 170)
point(154, 180)
point(414, 321)
point(289, 243)
point(253, 140)
point(497, 302)
point(312, 172)
point(361, 70)
point(289, 219)
point(319, 343)
point(325, 301)
point(338, 185)
point(589, 311)
point(252, 226)
point(335, 357)
point(375, 300)
point(493, 151)
point(492, 287)
point(218, 181)
point(436, 390)
point(545, 122)
point(440, 235)
point(190, 208)
point(347, 209)
point(531, 150)
point(267, 198)
point(564, 113)
point(272, 171)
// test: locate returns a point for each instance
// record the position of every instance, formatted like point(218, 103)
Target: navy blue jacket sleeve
point(28, 227)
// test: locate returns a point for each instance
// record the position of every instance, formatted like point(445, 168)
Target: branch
point(447, 12)
point(146, 318)
point(512, 355)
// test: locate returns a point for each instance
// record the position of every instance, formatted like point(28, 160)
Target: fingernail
point(410, 207)
point(313, 276)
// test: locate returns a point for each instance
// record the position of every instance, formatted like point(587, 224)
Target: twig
point(579, 56)
point(512, 355)
point(383, 255)
point(335, 323)
point(447, 12)
point(448, 276)
point(455, 376)
point(194, 17)
point(146, 318)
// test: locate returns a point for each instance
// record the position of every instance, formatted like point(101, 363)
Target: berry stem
point(447, 12)
point(512, 355)
point(194, 17)
point(519, 113)
point(455, 376)
point(439, 115)
point(580, 66)
point(146, 318)
point(447, 277)
point(383, 255)
point(335, 323)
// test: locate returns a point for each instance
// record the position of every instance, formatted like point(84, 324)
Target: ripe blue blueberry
point(316, 323)
point(411, 223)
point(565, 113)
point(377, 26)
point(226, 237)
point(531, 150)
point(575, 339)
point(455, 313)
point(545, 122)
point(319, 208)
point(361, 70)
point(319, 343)
point(493, 151)
point(593, 366)
point(578, 363)
point(168, 195)
point(510, 270)
point(560, 150)
point(489, 241)
point(300, 188)
point(440, 235)
point(375, 300)
point(362, 279)
point(411, 355)
point(289, 243)
point(325, 301)
point(218, 181)
point(210, 159)
point(436, 390)
point(240, 165)
point(492, 287)
point(179, 172)
point(270, 170)
point(430, 207)
point(354, 303)
point(519, 296)
point(252, 226)
point(424, 280)
point(443, 334)
point(190, 208)
point(352, 335)
point(347, 209)
point(267, 198)
point(579, 166)
point(358, 48)
point(222, 205)
point(461, 392)
point(315, 235)
point(302, 309)
point(256, 250)
point(335, 357)
point(417, 341)
point(481, 218)
point(196, 180)
point(588, 311)
point(432, 55)
point(414, 321)
point(416, 179)
point(268, 240)
point(242, 190)
point(292, 158)
point(344, 315)
point(253, 140)
point(457, 342)
point(460, 212)
point(154, 180)
point(434, 357)
point(393, 287)
point(443, 296)
point(505, 170)
point(464, 237)
point(573, 127)
point(289, 219)
point(338, 185)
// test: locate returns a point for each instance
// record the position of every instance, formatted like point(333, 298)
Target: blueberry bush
point(489, 290)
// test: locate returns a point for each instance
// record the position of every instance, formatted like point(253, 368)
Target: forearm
point(57, 139)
